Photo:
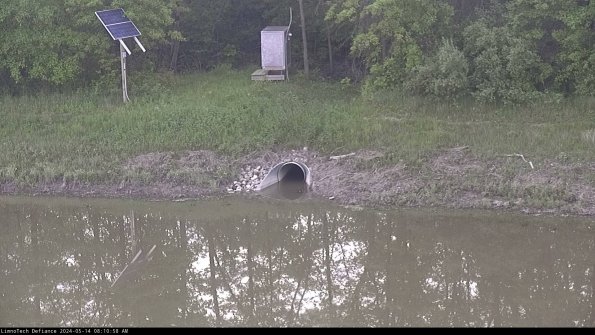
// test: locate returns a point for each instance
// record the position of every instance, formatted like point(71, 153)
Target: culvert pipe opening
point(288, 176)
point(292, 173)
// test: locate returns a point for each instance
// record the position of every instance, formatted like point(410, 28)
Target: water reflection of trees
point(297, 267)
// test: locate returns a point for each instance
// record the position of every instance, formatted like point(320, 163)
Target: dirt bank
point(452, 178)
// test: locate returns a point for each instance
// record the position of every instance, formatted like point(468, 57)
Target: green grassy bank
point(87, 137)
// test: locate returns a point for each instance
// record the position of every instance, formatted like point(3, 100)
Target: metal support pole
point(123, 63)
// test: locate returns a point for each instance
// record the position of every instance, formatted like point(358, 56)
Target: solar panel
point(123, 30)
point(112, 16)
point(120, 27)
point(117, 24)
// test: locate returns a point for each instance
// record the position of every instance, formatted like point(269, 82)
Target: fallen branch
point(523, 158)
point(342, 156)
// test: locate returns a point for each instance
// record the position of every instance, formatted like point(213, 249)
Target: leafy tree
point(514, 49)
point(576, 39)
point(504, 68)
point(535, 22)
point(393, 35)
point(48, 41)
point(60, 42)
point(226, 31)
point(443, 75)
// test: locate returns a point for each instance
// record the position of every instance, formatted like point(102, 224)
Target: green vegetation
point(88, 137)
point(444, 89)
point(492, 51)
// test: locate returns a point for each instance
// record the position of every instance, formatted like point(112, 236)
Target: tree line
point(492, 50)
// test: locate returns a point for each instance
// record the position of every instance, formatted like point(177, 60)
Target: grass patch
point(87, 137)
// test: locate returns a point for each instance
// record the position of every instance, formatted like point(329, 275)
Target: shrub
point(503, 67)
point(443, 76)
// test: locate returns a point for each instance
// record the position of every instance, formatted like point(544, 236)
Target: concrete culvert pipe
point(287, 172)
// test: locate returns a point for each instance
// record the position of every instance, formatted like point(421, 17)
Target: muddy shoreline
point(450, 178)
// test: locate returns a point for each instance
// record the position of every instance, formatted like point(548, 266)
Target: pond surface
point(255, 262)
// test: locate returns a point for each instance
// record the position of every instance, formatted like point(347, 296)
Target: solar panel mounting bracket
point(139, 44)
point(125, 47)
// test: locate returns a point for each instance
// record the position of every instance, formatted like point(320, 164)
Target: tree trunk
point(330, 47)
point(175, 50)
point(304, 40)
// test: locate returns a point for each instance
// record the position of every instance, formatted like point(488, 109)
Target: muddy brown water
point(264, 262)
